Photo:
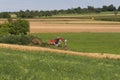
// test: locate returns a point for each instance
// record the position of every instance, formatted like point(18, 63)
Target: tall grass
point(88, 42)
point(23, 65)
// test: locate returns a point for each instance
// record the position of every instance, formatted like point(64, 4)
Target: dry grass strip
point(33, 48)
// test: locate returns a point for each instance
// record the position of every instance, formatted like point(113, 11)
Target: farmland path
point(33, 48)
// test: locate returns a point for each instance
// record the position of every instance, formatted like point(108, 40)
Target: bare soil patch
point(85, 26)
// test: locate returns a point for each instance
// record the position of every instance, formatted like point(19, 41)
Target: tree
point(69, 11)
point(119, 8)
point(20, 14)
point(98, 10)
point(77, 10)
point(4, 15)
point(54, 12)
point(104, 8)
point(111, 8)
point(4, 29)
point(91, 8)
point(108, 8)
point(19, 27)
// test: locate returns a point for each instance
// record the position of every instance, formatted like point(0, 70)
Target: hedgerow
point(16, 39)
point(21, 40)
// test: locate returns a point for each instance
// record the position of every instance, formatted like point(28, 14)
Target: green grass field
point(103, 16)
point(88, 42)
point(23, 65)
point(87, 14)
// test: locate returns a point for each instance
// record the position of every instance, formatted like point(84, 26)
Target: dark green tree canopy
point(119, 8)
point(4, 15)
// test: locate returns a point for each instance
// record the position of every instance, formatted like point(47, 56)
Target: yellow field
point(72, 25)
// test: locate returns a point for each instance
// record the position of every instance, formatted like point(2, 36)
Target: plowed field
point(73, 26)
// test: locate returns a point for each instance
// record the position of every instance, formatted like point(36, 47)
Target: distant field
point(88, 42)
point(23, 65)
point(103, 22)
point(70, 21)
point(73, 26)
point(103, 16)
point(87, 14)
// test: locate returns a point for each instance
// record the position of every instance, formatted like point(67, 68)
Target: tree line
point(39, 14)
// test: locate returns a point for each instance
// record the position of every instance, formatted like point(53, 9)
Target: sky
point(16, 5)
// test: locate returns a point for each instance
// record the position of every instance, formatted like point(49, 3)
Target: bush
point(19, 27)
point(19, 39)
point(4, 29)
point(35, 41)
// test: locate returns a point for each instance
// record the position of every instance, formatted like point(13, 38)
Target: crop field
point(83, 33)
point(102, 22)
point(25, 65)
point(88, 42)
point(72, 25)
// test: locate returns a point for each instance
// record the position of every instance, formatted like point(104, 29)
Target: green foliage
point(25, 65)
point(119, 8)
point(15, 32)
point(19, 27)
point(4, 15)
point(16, 28)
point(21, 40)
point(16, 39)
point(4, 29)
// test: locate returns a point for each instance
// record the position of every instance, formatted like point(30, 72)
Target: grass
point(88, 42)
point(23, 65)
point(103, 16)
point(86, 14)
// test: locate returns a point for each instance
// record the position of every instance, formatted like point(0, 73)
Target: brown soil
point(38, 27)
point(32, 48)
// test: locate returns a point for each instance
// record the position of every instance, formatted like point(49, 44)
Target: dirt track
point(32, 48)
